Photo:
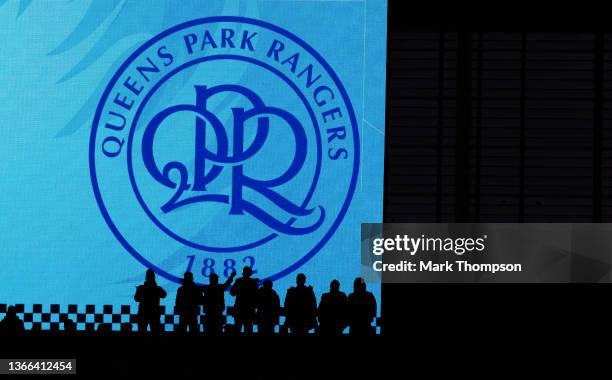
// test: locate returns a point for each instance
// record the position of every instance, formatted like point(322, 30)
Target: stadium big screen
point(186, 136)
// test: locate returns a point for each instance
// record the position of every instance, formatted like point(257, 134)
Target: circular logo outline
point(206, 20)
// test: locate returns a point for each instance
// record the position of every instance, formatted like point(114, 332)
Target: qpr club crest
point(224, 142)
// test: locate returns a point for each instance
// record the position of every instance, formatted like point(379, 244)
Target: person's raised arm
point(138, 295)
point(227, 283)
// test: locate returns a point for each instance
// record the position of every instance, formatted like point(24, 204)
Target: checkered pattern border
point(85, 317)
point(89, 317)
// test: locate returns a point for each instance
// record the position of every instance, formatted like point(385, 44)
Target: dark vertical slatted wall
point(499, 127)
point(421, 127)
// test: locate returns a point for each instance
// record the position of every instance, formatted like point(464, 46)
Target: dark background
point(498, 112)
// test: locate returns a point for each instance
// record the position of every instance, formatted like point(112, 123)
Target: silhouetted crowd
point(254, 305)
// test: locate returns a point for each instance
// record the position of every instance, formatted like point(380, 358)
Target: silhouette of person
point(214, 303)
point(187, 305)
point(11, 324)
point(245, 291)
point(104, 329)
point(300, 307)
point(361, 309)
point(268, 309)
point(332, 311)
point(148, 296)
point(69, 326)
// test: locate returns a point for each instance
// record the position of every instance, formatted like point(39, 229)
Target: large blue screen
point(194, 135)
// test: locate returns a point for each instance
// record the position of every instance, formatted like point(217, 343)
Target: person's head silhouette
point(69, 325)
point(11, 311)
point(187, 278)
point(267, 284)
point(334, 286)
point(213, 279)
point(300, 279)
point(150, 276)
point(247, 272)
point(359, 285)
